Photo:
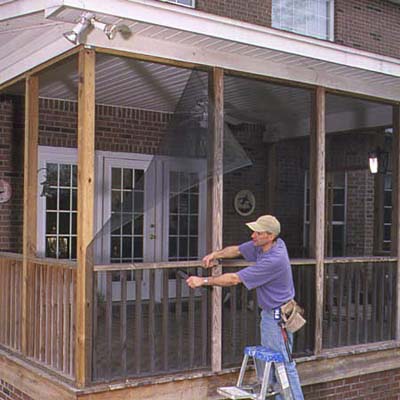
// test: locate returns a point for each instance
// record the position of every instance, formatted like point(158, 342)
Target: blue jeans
point(271, 337)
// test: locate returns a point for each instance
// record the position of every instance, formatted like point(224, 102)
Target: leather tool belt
point(292, 316)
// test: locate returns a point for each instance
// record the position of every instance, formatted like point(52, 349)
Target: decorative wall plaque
point(244, 202)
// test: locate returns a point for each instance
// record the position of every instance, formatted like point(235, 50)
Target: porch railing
point(146, 321)
point(10, 301)
point(241, 314)
point(360, 302)
point(51, 291)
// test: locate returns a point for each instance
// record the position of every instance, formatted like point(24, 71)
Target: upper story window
point(187, 3)
point(307, 17)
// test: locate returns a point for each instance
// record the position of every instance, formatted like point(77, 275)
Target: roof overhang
point(167, 31)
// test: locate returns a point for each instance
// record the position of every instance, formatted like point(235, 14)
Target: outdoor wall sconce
point(86, 20)
point(378, 161)
point(45, 185)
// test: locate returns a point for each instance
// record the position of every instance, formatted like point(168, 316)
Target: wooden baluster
point(109, 337)
point(123, 323)
point(152, 324)
point(67, 319)
point(138, 320)
point(357, 290)
point(192, 331)
point(165, 336)
point(178, 318)
point(341, 282)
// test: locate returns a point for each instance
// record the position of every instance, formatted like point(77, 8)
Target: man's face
point(262, 238)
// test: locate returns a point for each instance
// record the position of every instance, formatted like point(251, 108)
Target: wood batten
point(86, 163)
point(216, 125)
point(317, 202)
point(395, 233)
point(30, 196)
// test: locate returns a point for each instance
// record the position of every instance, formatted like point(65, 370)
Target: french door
point(153, 210)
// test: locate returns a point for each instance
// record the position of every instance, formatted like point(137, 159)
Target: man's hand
point(195, 281)
point(208, 260)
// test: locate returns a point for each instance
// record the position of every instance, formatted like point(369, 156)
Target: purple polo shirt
point(271, 275)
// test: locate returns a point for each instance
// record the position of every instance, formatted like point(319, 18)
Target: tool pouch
point(292, 316)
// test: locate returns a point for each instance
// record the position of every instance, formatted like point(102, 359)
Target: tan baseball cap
point(266, 223)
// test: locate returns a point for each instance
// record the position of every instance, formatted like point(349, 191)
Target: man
point(271, 276)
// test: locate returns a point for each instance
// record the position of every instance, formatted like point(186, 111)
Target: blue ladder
point(263, 360)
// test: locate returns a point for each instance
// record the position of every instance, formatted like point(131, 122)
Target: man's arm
point(227, 252)
point(228, 279)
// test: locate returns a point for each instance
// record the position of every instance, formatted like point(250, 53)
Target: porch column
point(86, 137)
point(317, 206)
point(30, 202)
point(216, 126)
point(395, 233)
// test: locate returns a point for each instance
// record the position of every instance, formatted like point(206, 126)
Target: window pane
point(65, 199)
point(127, 247)
point(64, 219)
point(116, 201)
point(51, 222)
point(139, 179)
point(128, 174)
point(65, 175)
point(63, 250)
point(138, 248)
point(138, 224)
point(138, 202)
point(115, 247)
point(52, 174)
point(308, 18)
point(51, 246)
point(51, 200)
point(116, 178)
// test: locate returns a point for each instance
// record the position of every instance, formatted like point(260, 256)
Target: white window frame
point(331, 24)
point(193, 5)
point(57, 155)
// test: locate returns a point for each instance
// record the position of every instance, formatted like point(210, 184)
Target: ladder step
point(233, 392)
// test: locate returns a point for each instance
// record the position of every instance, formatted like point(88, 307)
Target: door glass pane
point(127, 215)
point(183, 233)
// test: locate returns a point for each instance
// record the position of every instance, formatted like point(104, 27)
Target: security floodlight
point(81, 27)
point(109, 29)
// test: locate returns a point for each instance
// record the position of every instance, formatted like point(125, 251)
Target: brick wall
point(9, 392)
point(381, 385)
point(371, 25)
point(11, 170)
point(117, 129)
point(251, 178)
point(253, 11)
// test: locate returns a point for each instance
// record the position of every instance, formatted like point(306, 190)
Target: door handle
point(152, 236)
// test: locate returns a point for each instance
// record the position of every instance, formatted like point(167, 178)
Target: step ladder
point(263, 360)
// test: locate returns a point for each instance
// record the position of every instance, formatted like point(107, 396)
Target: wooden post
point(317, 206)
point(395, 233)
point(216, 126)
point(86, 163)
point(30, 202)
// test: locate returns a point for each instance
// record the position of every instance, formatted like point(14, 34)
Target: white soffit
point(168, 31)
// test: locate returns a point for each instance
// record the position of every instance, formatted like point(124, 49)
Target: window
point(187, 3)
point(57, 203)
point(307, 17)
point(336, 208)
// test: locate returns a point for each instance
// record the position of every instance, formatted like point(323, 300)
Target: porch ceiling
point(33, 30)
